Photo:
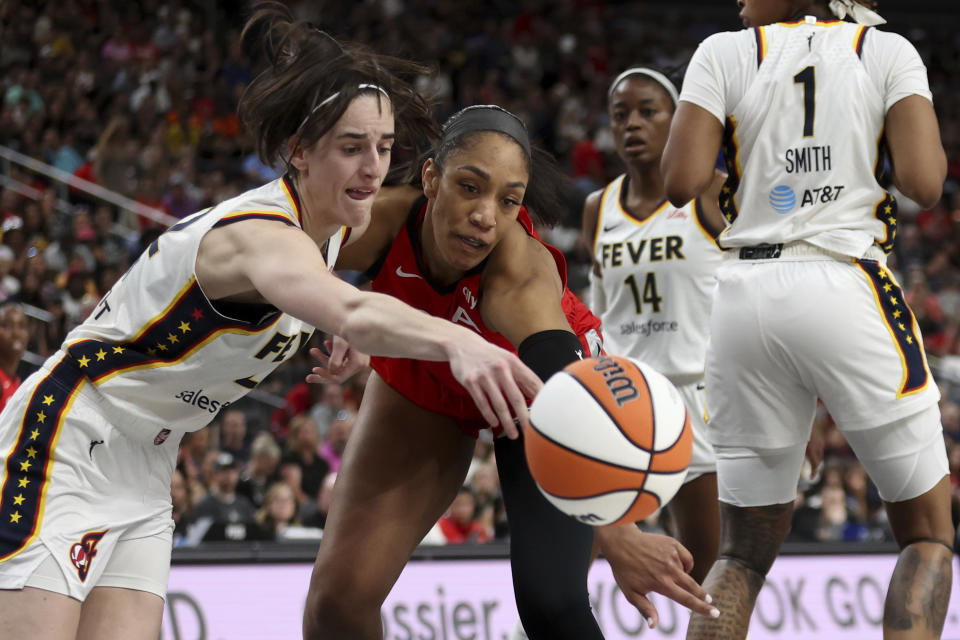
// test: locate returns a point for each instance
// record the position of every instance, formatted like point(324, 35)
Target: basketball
point(610, 440)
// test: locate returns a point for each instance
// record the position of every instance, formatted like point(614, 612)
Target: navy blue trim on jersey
point(900, 321)
point(861, 37)
point(253, 216)
point(728, 205)
point(187, 325)
point(29, 463)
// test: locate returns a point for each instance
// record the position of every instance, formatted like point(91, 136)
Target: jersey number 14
point(649, 295)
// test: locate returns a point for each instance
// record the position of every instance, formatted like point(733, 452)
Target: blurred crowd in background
point(140, 98)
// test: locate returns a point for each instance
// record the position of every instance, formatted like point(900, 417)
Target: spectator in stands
point(223, 505)
point(314, 513)
point(261, 471)
point(182, 500)
point(13, 342)
point(279, 511)
point(233, 435)
point(303, 451)
point(460, 524)
point(333, 445)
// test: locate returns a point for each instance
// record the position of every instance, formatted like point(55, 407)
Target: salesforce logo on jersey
point(782, 198)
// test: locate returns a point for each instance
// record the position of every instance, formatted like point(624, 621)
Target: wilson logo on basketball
point(83, 552)
point(621, 387)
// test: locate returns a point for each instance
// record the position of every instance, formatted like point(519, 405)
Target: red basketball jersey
point(431, 385)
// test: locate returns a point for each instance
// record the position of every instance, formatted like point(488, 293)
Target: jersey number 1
point(808, 78)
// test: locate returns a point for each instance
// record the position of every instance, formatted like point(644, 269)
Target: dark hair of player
point(307, 79)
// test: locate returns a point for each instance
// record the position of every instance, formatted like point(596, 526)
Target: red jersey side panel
point(431, 385)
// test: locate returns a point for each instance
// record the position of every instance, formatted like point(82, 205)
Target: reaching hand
point(342, 362)
point(497, 381)
point(644, 562)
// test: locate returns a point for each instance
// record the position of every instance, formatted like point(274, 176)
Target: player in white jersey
point(217, 302)
point(805, 307)
point(652, 281)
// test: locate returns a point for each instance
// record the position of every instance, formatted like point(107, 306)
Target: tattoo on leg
point(750, 541)
point(734, 587)
point(919, 590)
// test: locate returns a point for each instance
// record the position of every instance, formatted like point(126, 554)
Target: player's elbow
point(681, 188)
point(923, 185)
point(681, 182)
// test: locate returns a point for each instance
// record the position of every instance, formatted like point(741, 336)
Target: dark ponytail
point(300, 66)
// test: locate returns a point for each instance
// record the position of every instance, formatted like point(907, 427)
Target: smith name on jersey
point(797, 171)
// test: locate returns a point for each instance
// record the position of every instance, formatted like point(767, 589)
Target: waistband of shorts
point(799, 250)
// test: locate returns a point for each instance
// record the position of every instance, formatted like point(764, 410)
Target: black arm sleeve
point(547, 352)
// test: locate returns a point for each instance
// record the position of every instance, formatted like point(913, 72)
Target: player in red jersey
point(464, 248)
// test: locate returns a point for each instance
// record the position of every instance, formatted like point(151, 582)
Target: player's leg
point(696, 512)
point(38, 614)
point(908, 462)
point(111, 613)
point(402, 468)
point(127, 601)
point(760, 413)
point(695, 509)
point(549, 555)
point(756, 505)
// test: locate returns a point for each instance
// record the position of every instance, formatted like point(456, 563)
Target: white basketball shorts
point(703, 459)
point(784, 333)
point(72, 486)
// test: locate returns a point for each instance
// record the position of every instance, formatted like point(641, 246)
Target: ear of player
point(610, 440)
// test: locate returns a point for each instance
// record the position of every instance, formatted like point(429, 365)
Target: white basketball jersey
point(803, 105)
point(155, 353)
point(656, 283)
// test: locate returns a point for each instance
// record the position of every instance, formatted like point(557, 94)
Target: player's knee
point(334, 604)
point(548, 613)
point(752, 535)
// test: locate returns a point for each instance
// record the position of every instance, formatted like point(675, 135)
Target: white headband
point(333, 96)
point(661, 79)
point(859, 13)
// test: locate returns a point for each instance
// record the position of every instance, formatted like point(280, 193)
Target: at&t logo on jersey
point(201, 401)
point(783, 199)
point(82, 553)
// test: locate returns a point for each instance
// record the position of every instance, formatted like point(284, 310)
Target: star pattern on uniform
point(172, 338)
point(894, 301)
point(888, 209)
point(47, 400)
point(18, 500)
point(41, 416)
point(161, 346)
point(151, 352)
point(35, 434)
point(22, 483)
point(118, 349)
point(83, 360)
point(31, 452)
point(25, 465)
point(184, 327)
point(197, 314)
point(15, 517)
point(100, 355)
point(887, 287)
point(909, 339)
point(897, 313)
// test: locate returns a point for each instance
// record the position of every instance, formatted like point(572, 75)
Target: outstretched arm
point(283, 265)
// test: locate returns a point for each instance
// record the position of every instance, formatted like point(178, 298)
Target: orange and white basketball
point(610, 440)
